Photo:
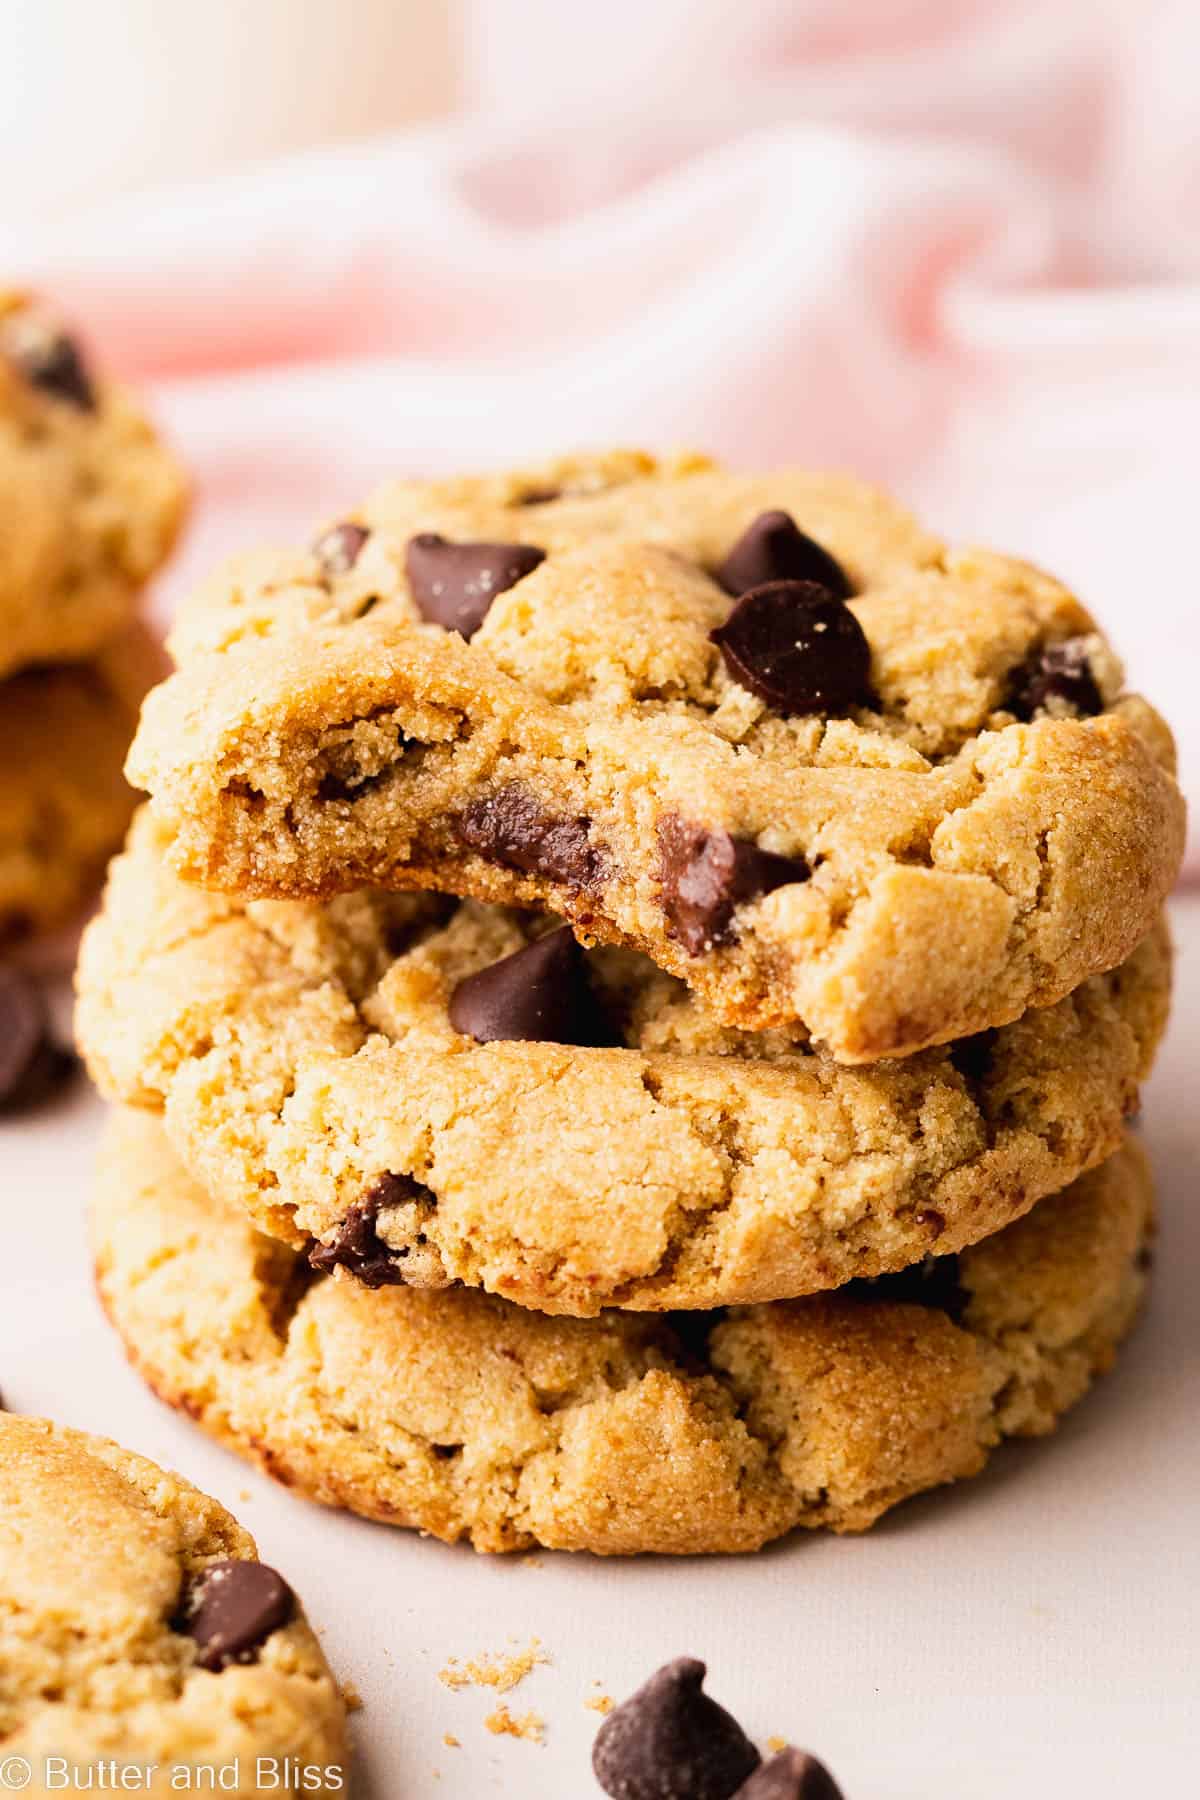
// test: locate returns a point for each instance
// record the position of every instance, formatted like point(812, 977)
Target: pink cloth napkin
point(953, 246)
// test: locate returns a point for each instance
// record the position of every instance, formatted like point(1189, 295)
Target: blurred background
point(952, 244)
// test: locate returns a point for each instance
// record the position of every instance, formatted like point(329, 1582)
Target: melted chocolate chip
point(792, 1775)
point(53, 363)
point(935, 1281)
point(773, 548)
point(232, 1610)
point(454, 584)
point(511, 827)
point(356, 1245)
point(706, 874)
point(539, 994)
point(669, 1741)
point(32, 1066)
point(338, 549)
point(798, 647)
point(1056, 672)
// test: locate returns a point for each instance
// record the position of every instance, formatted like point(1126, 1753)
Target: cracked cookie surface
point(90, 499)
point(931, 808)
point(316, 1063)
point(465, 1416)
point(110, 1569)
point(64, 802)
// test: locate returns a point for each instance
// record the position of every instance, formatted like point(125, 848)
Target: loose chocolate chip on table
point(706, 874)
point(792, 1775)
point(1056, 672)
point(538, 994)
point(798, 647)
point(338, 549)
point(53, 363)
point(512, 827)
point(454, 584)
point(356, 1245)
point(32, 1067)
point(232, 1609)
point(669, 1741)
point(773, 548)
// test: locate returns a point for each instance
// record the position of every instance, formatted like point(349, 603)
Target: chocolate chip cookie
point(829, 772)
point(425, 1091)
point(90, 500)
point(64, 802)
point(464, 1416)
point(136, 1623)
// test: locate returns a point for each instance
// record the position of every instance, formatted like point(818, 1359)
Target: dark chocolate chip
point(935, 1281)
point(512, 828)
point(1056, 672)
point(454, 584)
point(32, 1066)
point(706, 874)
point(972, 1056)
point(338, 549)
point(357, 1247)
point(792, 1775)
point(53, 363)
point(798, 647)
point(669, 1741)
point(538, 994)
point(773, 548)
point(232, 1610)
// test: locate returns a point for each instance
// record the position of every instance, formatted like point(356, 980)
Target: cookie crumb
point(450, 1741)
point(601, 1703)
point(531, 1728)
point(494, 1671)
point(776, 1744)
point(352, 1697)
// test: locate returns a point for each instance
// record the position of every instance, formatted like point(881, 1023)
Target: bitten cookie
point(90, 500)
point(462, 1415)
point(64, 802)
point(436, 1095)
point(824, 769)
point(136, 1623)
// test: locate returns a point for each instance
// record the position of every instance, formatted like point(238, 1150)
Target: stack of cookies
point(90, 503)
point(624, 1005)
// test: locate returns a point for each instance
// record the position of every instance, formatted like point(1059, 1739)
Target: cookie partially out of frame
point(65, 804)
point(826, 770)
point(465, 1416)
point(137, 1624)
point(320, 1064)
point(90, 499)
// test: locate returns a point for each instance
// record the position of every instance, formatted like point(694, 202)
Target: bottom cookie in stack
point(462, 1415)
point(64, 800)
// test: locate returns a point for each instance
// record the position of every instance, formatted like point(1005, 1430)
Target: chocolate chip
point(538, 994)
point(338, 549)
point(513, 828)
point(32, 1066)
point(356, 1245)
point(792, 1775)
point(669, 1741)
point(706, 874)
point(798, 647)
point(52, 362)
point(1056, 672)
point(454, 584)
point(773, 548)
point(934, 1281)
point(232, 1609)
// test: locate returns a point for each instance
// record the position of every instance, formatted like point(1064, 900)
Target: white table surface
point(1032, 1632)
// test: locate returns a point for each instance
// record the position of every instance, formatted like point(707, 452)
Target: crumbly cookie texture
point(306, 1057)
point(895, 819)
point(90, 499)
point(465, 1416)
point(105, 1561)
point(65, 804)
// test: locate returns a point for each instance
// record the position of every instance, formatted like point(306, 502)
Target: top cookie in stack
point(838, 778)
